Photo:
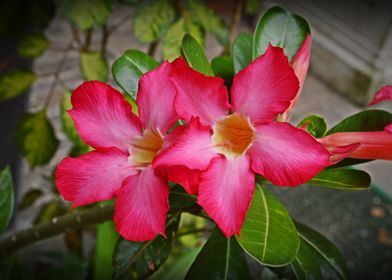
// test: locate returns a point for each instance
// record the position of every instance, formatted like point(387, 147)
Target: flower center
point(144, 148)
point(233, 135)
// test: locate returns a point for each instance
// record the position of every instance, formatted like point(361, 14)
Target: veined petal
point(373, 144)
point(141, 206)
point(384, 94)
point(199, 96)
point(193, 148)
point(226, 190)
point(265, 87)
point(155, 99)
point(93, 177)
point(286, 155)
point(102, 116)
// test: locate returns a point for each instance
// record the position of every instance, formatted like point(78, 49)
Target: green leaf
point(67, 266)
point(15, 82)
point(220, 258)
point(128, 69)
point(11, 269)
point(317, 258)
point(33, 45)
point(242, 51)
point(94, 66)
point(87, 13)
point(179, 198)
point(252, 6)
point(195, 56)
point(315, 125)
point(268, 233)
point(35, 138)
point(173, 38)
point(69, 128)
point(209, 20)
point(107, 237)
point(223, 67)
point(138, 260)
point(152, 20)
point(49, 211)
point(282, 29)
point(30, 197)
point(347, 179)
point(6, 198)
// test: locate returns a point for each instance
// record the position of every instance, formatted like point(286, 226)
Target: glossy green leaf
point(138, 260)
point(30, 197)
point(107, 237)
point(223, 67)
point(317, 258)
point(281, 28)
point(209, 20)
point(252, 6)
point(268, 233)
point(87, 13)
point(152, 20)
point(220, 258)
point(347, 179)
point(173, 38)
point(179, 198)
point(33, 45)
point(242, 51)
point(49, 211)
point(94, 66)
point(6, 198)
point(36, 139)
point(315, 125)
point(128, 69)
point(195, 56)
point(15, 82)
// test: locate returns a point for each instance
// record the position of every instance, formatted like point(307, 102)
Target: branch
point(56, 226)
point(152, 48)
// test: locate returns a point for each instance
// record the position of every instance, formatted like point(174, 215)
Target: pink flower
point(368, 145)
point(384, 94)
point(125, 146)
point(226, 144)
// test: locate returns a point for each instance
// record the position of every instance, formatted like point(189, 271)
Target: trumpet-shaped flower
point(384, 94)
point(125, 145)
point(224, 144)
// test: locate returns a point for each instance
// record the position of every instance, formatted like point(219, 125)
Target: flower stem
point(57, 225)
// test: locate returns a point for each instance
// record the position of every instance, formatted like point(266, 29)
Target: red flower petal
point(384, 94)
point(93, 177)
point(199, 95)
point(226, 190)
point(265, 87)
point(155, 99)
point(141, 206)
point(102, 116)
point(285, 155)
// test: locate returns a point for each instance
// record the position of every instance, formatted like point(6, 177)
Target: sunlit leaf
point(35, 138)
point(268, 233)
point(195, 56)
point(87, 13)
point(33, 45)
point(94, 66)
point(242, 51)
point(128, 69)
point(152, 19)
point(282, 29)
point(220, 258)
point(317, 257)
point(347, 179)
point(6, 198)
point(15, 82)
point(30, 197)
point(315, 125)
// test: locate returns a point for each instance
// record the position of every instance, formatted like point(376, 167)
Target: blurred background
point(351, 58)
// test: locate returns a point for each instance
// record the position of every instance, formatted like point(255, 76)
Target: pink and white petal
point(226, 190)
point(93, 177)
point(286, 155)
point(193, 148)
point(102, 116)
point(141, 206)
point(199, 96)
point(265, 87)
point(173, 136)
point(155, 99)
point(388, 128)
point(188, 178)
point(384, 94)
